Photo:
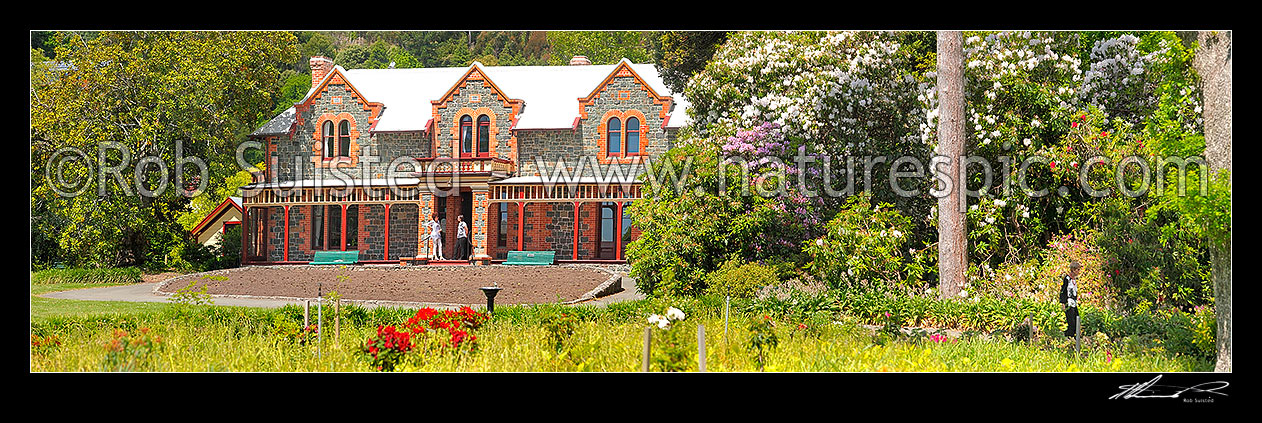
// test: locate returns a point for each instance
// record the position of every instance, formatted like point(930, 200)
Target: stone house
point(535, 158)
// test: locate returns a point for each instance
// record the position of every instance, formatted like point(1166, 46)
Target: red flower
point(1074, 125)
point(1104, 133)
point(1053, 165)
point(1083, 117)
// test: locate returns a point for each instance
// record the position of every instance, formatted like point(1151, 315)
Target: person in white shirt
point(435, 235)
point(462, 239)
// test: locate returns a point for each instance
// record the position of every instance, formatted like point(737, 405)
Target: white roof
point(551, 93)
point(540, 180)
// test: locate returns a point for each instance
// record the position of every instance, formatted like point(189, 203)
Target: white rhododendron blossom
point(660, 321)
point(842, 91)
point(674, 314)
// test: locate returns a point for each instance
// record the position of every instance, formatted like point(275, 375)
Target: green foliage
point(560, 326)
point(128, 352)
point(148, 92)
point(740, 279)
point(866, 246)
point(190, 295)
point(686, 235)
point(87, 276)
point(680, 54)
point(762, 338)
point(601, 47)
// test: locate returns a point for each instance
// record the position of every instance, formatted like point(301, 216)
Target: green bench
point(336, 257)
point(533, 258)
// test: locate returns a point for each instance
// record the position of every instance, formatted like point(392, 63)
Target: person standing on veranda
point(462, 239)
point(436, 235)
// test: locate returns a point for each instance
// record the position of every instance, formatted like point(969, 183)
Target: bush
point(866, 246)
point(740, 279)
point(103, 275)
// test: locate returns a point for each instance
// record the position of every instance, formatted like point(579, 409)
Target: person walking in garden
point(436, 234)
point(1069, 298)
point(462, 239)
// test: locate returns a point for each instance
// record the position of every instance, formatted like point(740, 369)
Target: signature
point(1151, 389)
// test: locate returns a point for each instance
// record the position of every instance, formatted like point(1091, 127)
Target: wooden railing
point(562, 192)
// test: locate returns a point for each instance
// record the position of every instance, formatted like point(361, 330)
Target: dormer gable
point(469, 97)
point(337, 77)
point(624, 70)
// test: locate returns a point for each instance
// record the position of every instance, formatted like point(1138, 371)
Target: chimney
point(579, 61)
point(320, 66)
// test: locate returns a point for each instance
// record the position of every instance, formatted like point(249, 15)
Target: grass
point(216, 338)
point(43, 308)
point(609, 339)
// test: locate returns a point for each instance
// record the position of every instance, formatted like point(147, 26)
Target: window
point(633, 136)
point(615, 137)
point(623, 138)
point(328, 140)
point(326, 227)
point(503, 233)
point(484, 135)
point(344, 139)
point(466, 136)
point(626, 226)
point(352, 227)
point(317, 226)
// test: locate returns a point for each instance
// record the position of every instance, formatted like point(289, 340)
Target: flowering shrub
point(765, 99)
point(127, 351)
point(672, 351)
point(740, 279)
point(388, 348)
point(867, 246)
point(559, 326)
point(43, 344)
point(457, 323)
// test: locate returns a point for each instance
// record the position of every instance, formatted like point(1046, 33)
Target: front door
point(608, 232)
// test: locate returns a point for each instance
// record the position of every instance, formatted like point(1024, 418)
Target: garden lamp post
point(490, 292)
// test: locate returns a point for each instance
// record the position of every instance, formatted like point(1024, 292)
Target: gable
point(631, 84)
point(337, 78)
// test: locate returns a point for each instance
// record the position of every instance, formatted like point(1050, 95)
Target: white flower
point(674, 314)
point(1000, 203)
point(1025, 214)
point(1035, 123)
point(963, 294)
point(897, 233)
point(819, 242)
point(661, 321)
point(990, 219)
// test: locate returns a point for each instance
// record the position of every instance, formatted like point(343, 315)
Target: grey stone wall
point(373, 241)
point(403, 226)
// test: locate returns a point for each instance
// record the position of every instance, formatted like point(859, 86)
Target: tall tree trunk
point(1213, 63)
point(952, 242)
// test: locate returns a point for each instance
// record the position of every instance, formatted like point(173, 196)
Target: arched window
point(344, 139)
point(484, 135)
point(327, 152)
point(633, 136)
point(466, 136)
point(614, 145)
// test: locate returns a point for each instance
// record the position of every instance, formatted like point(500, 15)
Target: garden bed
point(430, 284)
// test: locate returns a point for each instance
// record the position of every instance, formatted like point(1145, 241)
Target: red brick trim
point(473, 115)
point(622, 157)
point(317, 150)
